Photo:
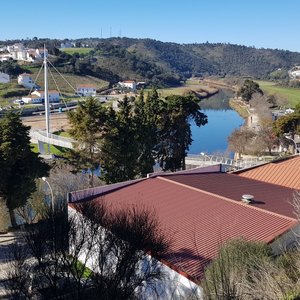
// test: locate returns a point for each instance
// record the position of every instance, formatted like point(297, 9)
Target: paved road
point(7, 242)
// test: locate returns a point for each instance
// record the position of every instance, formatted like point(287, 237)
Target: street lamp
point(51, 192)
point(288, 137)
point(205, 156)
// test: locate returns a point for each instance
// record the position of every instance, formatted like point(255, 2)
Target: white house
point(53, 95)
point(40, 52)
point(33, 99)
point(86, 90)
point(130, 84)
point(4, 78)
point(26, 81)
point(67, 44)
point(295, 74)
point(15, 47)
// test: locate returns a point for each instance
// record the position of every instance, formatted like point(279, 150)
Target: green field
point(64, 82)
point(77, 50)
point(291, 94)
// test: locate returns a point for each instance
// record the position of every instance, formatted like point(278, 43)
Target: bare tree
point(95, 253)
point(262, 106)
point(240, 139)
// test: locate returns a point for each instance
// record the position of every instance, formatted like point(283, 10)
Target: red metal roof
point(199, 221)
point(267, 196)
point(284, 173)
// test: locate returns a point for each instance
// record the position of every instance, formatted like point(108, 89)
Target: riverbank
point(196, 86)
point(240, 107)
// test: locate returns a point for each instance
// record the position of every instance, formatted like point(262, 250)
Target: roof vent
point(247, 198)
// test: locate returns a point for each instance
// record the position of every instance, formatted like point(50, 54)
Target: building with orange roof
point(202, 209)
point(284, 172)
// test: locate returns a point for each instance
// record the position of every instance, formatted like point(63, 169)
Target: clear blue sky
point(259, 23)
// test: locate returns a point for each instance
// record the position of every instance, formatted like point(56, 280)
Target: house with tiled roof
point(202, 209)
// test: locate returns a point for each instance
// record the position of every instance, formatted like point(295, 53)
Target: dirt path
point(58, 121)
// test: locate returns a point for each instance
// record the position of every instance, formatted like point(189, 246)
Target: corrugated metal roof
point(285, 173)
point(271, 197)
point(198, 221)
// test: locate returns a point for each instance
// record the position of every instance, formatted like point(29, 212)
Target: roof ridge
point(227, 199)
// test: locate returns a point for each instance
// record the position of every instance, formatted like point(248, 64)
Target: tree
point(146, 117)
point(87, 128)
point(107, 249)
point(239, 139)
point(288, 124)
point(174, 132)
point(19, 165)
point(266, 136)
point(119, 147)
point(248, 89)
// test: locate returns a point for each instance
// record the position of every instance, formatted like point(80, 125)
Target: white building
point(26, 81)
point(295, 74)
point(4, 78)
point(15, 47)
point(130, 84)
point(52, 94)
point(33, 99)
point(40, 53)
point(86, 90)
point(67, 44)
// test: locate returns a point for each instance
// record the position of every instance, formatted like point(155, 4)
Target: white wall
point(286, 241)
point(173, 286)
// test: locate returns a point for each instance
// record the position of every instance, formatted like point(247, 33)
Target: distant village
point(19, 52)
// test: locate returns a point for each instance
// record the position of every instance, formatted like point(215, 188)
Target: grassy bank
point(291, 94)
point(200, 88)
point(239, 107)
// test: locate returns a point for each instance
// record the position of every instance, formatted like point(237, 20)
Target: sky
point(259, 23)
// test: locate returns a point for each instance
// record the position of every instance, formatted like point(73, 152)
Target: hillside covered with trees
point(165, 64)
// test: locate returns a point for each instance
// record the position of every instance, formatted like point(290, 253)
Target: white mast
point(46, 95)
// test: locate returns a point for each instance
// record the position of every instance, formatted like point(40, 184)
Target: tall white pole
point(47, 113)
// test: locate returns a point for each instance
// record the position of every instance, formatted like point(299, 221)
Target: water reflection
point(222, 120)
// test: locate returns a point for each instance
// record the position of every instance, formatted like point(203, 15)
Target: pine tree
point(146, 118)
point(19, 166)
point(175, 134)
point(87, 128)
point(120, 148)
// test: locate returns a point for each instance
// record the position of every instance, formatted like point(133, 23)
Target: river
point(222, 120)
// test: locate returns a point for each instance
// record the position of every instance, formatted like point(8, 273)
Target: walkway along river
point(222, 120)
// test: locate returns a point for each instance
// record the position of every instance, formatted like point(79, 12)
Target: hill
point(165, 64)
point(187, 60)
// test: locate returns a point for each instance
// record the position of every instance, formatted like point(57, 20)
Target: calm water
point(222, 120)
